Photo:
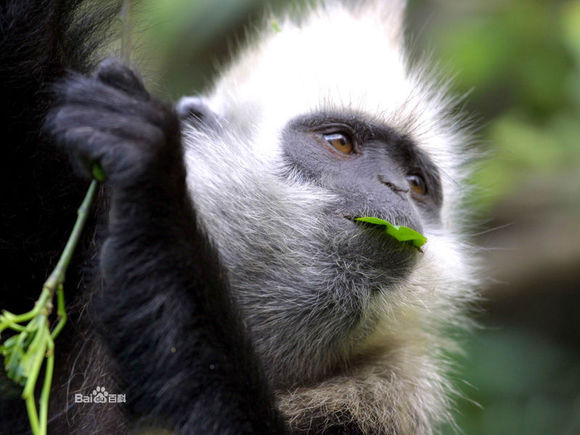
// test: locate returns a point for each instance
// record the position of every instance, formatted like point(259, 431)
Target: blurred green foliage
point(521, 61)
point(513, 382)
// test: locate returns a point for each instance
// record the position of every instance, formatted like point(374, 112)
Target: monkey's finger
point(83, 91)
point(118, 161)
point(125, 149)
point(118, 75)
point(129, 126)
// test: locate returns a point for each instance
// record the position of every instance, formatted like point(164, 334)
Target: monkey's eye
point(340, 142)
point(417, 184)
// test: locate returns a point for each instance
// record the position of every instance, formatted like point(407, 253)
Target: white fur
point(393, 369)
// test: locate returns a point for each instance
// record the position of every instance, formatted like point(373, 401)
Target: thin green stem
point(60, 312)
point(32, 415)
point(16, 327)
point(38, 350)
point(9, 319)
point(45, 394)
point(57, 276)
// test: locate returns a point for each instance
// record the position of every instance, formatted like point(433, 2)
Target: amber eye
point(417, 184)
point(340, 142)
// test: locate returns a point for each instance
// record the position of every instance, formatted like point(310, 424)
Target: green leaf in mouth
point(399, 232)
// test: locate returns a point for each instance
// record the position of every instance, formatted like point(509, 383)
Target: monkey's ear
point(196, 110)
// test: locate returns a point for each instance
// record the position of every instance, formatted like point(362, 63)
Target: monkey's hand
point(111, 119)
point(165, 309)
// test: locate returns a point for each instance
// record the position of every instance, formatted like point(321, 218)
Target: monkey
point(225, 286)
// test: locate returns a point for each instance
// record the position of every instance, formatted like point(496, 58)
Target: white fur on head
point(342, 57)
point(309, 309)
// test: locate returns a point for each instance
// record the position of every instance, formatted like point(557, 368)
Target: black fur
point(39, 41)
point(163, 307)
point(173, 341)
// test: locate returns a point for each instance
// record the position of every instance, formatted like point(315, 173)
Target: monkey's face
point(295, 150)
point(372, 169)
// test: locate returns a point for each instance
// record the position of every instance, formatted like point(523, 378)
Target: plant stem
point(38, 349)
point(45, 394)
point(57, 276)
point(42, 345)
point(60, 312)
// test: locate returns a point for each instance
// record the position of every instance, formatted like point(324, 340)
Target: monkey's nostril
point(392, 186)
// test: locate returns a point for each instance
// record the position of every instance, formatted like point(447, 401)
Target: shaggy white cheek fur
point(340, 60)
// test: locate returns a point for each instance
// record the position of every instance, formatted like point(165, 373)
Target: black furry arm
point(164, 308)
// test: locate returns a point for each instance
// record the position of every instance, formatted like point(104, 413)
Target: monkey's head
point(326, 120)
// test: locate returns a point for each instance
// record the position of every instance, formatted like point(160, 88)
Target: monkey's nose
point(395, 188)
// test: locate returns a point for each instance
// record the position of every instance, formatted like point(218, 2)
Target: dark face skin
point(371, 167)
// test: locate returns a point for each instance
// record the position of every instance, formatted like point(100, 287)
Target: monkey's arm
point(164, 308)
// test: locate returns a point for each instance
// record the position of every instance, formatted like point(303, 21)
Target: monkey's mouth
point(404, 235)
